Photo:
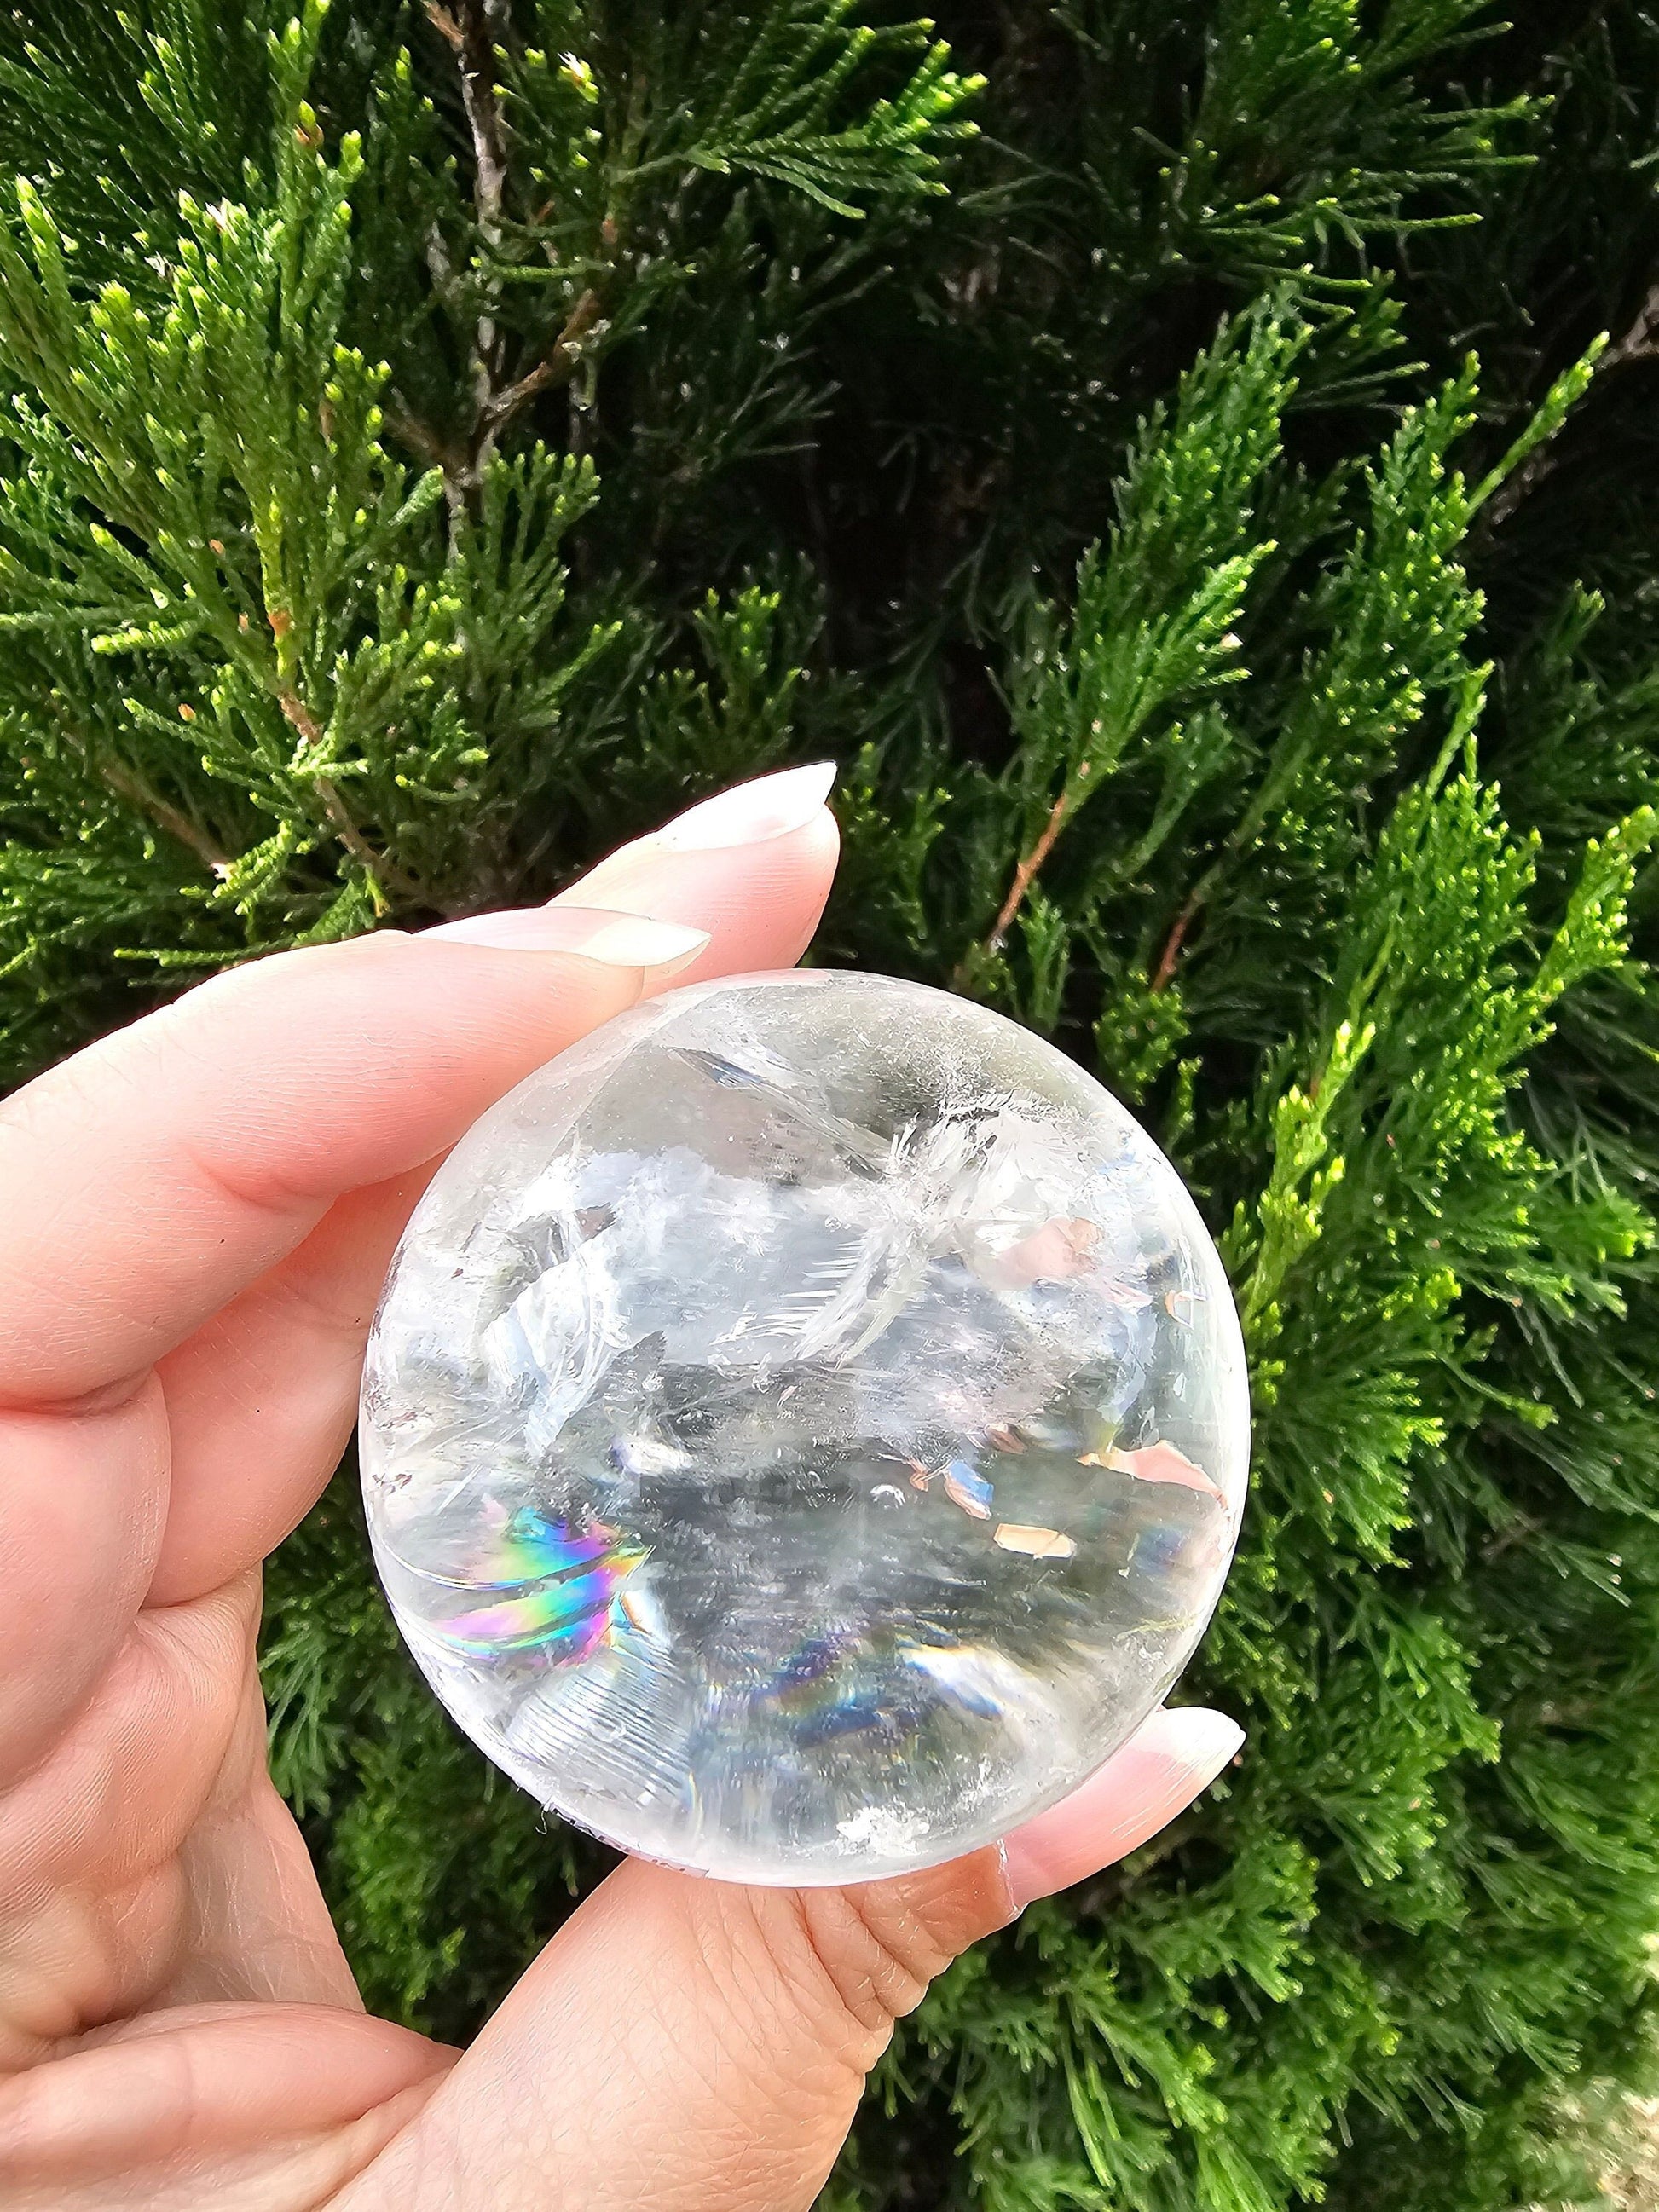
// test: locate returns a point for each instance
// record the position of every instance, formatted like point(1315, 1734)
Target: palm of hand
point(200, 1211)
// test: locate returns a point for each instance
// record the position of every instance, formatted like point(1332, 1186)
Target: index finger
point(148, 1180)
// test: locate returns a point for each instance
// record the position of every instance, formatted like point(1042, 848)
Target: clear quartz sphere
point(805, 1428)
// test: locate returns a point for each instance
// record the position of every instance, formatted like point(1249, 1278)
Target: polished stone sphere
point(805, 1428)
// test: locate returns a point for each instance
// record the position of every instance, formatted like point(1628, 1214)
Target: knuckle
point(871, 1949)
point(874, 1955)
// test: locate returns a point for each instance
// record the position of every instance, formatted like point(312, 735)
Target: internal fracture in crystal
point(806, 1429)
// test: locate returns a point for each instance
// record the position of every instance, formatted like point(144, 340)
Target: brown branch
point(387, 873)
point(557, 368)
point(471, 33)
point(469, 36)
point(483, 99)
point(137, 794)
point(301, 717)
point(1243, 836)
point(1026, 875)
point(391, 878)
point(445, 283)
point(126, 783)
point(407, 428)
point(473, 29)
point(1172, 945)
point(1640, 342)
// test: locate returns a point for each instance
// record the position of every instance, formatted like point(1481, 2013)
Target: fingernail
point(620, 940)
point(1171, 1761)
point(768, 806)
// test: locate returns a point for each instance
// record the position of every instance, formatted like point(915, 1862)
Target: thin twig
point(473, 29)
point(126, 783)
point(483, 23)
point(470, 38)
point(390, 877)
point(557, 368)
point(1025, 874)
point(1517, 1532)
point(445, 283)
point(472, 33)
point(407, 428)
point(1639, 342)
point(1023, 879)
point(1172, 943)
point(301, 717)
point(136, 792)
point(476, 31)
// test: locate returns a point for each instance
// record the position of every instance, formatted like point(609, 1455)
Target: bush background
point(1166, 450)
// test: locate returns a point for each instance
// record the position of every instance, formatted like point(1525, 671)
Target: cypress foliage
point(1192, 462)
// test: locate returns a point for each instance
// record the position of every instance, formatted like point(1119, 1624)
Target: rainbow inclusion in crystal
point(558, 1590)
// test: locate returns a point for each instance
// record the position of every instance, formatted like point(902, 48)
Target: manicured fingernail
point(768, 807)
point(620, 940)
point(1168, 1763)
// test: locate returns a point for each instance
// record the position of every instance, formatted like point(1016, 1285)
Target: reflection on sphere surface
point(805, 1428)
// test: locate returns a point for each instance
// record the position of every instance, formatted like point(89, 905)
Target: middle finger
point(276, 1373)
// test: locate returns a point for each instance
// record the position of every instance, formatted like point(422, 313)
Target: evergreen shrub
point(1192, 463)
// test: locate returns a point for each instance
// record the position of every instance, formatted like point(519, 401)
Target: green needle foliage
point(1193, 462)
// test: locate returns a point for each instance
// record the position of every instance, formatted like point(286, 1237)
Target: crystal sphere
point(805, 1428)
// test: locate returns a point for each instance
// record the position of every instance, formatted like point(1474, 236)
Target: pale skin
point(197, 1214)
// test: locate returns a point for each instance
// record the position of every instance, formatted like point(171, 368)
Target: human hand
point(198, 1213)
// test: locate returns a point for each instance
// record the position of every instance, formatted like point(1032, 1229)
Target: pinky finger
point(697, 2045)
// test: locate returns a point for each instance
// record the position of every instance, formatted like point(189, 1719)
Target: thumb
point(700, 2047)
